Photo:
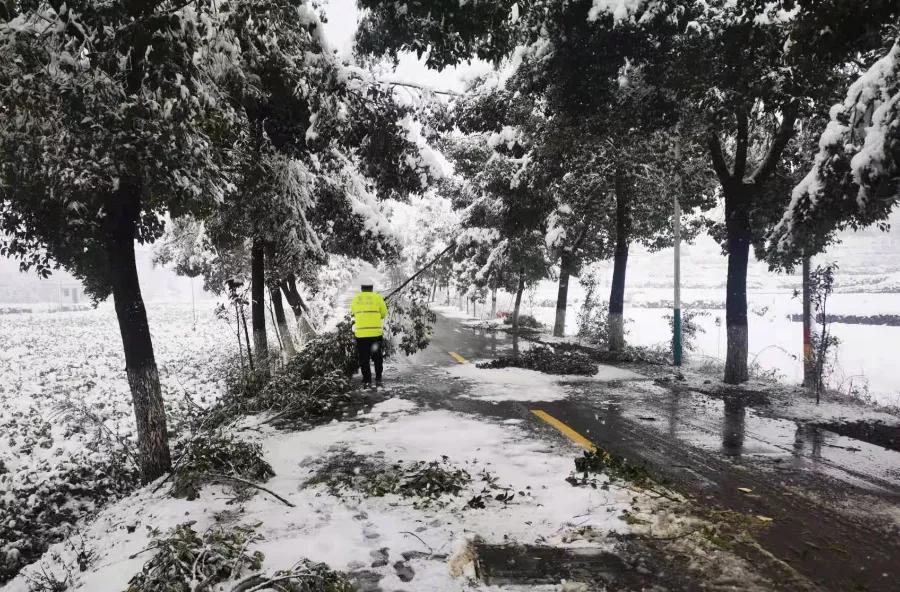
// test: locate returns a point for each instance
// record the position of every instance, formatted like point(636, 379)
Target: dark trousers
point(369, 348)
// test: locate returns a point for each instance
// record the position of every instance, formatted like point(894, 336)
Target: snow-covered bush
point(525, 322)
point(187, 561)
point(547, 360)
point(305, 403)
point(409, 321)
point(212, 456)
point(41, 505)
point(313, 386)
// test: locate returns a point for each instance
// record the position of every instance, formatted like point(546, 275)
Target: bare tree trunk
point(519, 289)
point(515, 322)
point(809, 367)
point(243, 318)
point(562, 297)
point(494, 303)
point(123, 210)
point(258, 305)
point(281, 321)
point(737, 222)
point(616, 321)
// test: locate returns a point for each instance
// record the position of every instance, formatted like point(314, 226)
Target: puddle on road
point(743, 434)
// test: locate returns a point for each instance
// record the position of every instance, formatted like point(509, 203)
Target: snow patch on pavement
point(508, 384)
point(806, 409)
point(394, 405)
point(451, 312)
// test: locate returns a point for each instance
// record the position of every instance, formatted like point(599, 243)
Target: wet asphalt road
point(834, 501)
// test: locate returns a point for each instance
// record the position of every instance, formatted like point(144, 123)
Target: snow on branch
point(854, 177)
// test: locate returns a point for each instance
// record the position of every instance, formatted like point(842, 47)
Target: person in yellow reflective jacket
point(369, 310)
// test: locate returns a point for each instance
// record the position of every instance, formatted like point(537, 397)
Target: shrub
point(296, 394)
point(547, 360)
point(185, 561)
point(593, 316)
point(40, 505)
point(690, 327)
point(334, 351)
point(525, 322)
point(306, 403)
point(211, 455)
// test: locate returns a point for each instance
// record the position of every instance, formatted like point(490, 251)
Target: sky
point(343, 17)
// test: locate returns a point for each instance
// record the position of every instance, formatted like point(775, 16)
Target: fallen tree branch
point(214, 477)
point(421, 271)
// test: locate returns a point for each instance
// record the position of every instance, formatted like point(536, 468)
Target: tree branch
point(718, 159)
point(421, 87)
point(213, 477)
point(779, 141)
point(740, 153)
point(421, 271)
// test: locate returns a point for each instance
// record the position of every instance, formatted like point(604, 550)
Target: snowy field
point(47, 358)
point(55, 364)
point(868, 283)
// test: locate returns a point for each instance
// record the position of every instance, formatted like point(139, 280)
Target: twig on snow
point(430, 550)
point(219, 477)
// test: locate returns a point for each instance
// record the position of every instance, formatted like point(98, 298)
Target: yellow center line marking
point(458, 358)
point(566, 430)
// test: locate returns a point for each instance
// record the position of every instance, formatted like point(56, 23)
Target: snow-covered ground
point(868, 283)
point(53, 359)
point(351, 533)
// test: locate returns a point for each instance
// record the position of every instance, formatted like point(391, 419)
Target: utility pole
point(676, 223)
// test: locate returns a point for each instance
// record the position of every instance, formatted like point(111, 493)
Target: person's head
point(367, 285)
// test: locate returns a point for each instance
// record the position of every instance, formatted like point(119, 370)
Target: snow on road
point(507, 384)
point(347, 533)
point(520, 384)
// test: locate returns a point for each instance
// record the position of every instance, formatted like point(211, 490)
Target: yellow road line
point(566, 430)
point(458, 358)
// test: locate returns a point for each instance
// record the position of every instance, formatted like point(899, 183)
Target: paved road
point(834, 501)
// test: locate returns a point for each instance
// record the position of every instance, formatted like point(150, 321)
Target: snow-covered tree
point(750, 68)
point(502, 222)
point(109, 120)
point(854, 180)
point(322, 144)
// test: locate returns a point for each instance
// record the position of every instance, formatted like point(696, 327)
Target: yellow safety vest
point(368, 309)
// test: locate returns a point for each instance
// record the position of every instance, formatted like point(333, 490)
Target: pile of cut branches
point(548, 361)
